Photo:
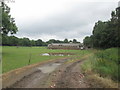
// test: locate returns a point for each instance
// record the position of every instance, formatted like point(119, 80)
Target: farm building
point(74, 46)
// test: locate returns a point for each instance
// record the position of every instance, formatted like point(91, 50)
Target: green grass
point(13, 57)
point(103, 62)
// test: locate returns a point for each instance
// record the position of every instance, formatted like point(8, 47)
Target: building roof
point(67, 44)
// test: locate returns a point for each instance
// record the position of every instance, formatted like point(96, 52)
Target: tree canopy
point(8, 23)
point(66, 41)
point(105, 34)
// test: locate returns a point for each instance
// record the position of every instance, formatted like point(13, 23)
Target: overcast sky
point(59, 19)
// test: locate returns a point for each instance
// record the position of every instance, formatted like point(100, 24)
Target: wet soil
point(58, 74)
point(57, 54)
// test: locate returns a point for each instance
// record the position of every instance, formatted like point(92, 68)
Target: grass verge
point(103, 66)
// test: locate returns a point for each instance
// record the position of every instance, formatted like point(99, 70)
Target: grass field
point(14, 57)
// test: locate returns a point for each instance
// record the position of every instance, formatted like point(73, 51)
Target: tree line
point(105, 34)
point(15, 41)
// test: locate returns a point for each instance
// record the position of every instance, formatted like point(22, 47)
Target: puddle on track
point(49, 68)
point(34, 79)
point(57, 54)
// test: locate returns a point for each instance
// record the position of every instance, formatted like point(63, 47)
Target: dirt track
point(58, 74)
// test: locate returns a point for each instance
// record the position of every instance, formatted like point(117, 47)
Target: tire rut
point(65, 80)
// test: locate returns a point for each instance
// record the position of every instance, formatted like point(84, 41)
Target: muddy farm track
point(64, 73)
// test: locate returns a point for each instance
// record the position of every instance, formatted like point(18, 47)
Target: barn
point(72, 46)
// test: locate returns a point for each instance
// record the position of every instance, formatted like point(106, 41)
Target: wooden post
point(29, 59)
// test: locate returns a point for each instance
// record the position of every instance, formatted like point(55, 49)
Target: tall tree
point(51, 41)
point(26, 42)
point(66, 41)
point(13, 41)
point(87, 41)
point(39, 42)
point(70, 41)
point(74, 41)
point(8, 23)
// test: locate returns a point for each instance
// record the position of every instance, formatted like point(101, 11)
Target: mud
point(49, 68)
point(58, 74)
point(68, 76)
point(35, 80)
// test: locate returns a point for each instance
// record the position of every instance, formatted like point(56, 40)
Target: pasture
point(16, 57)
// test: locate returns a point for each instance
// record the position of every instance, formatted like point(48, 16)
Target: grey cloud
point(75, 23)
